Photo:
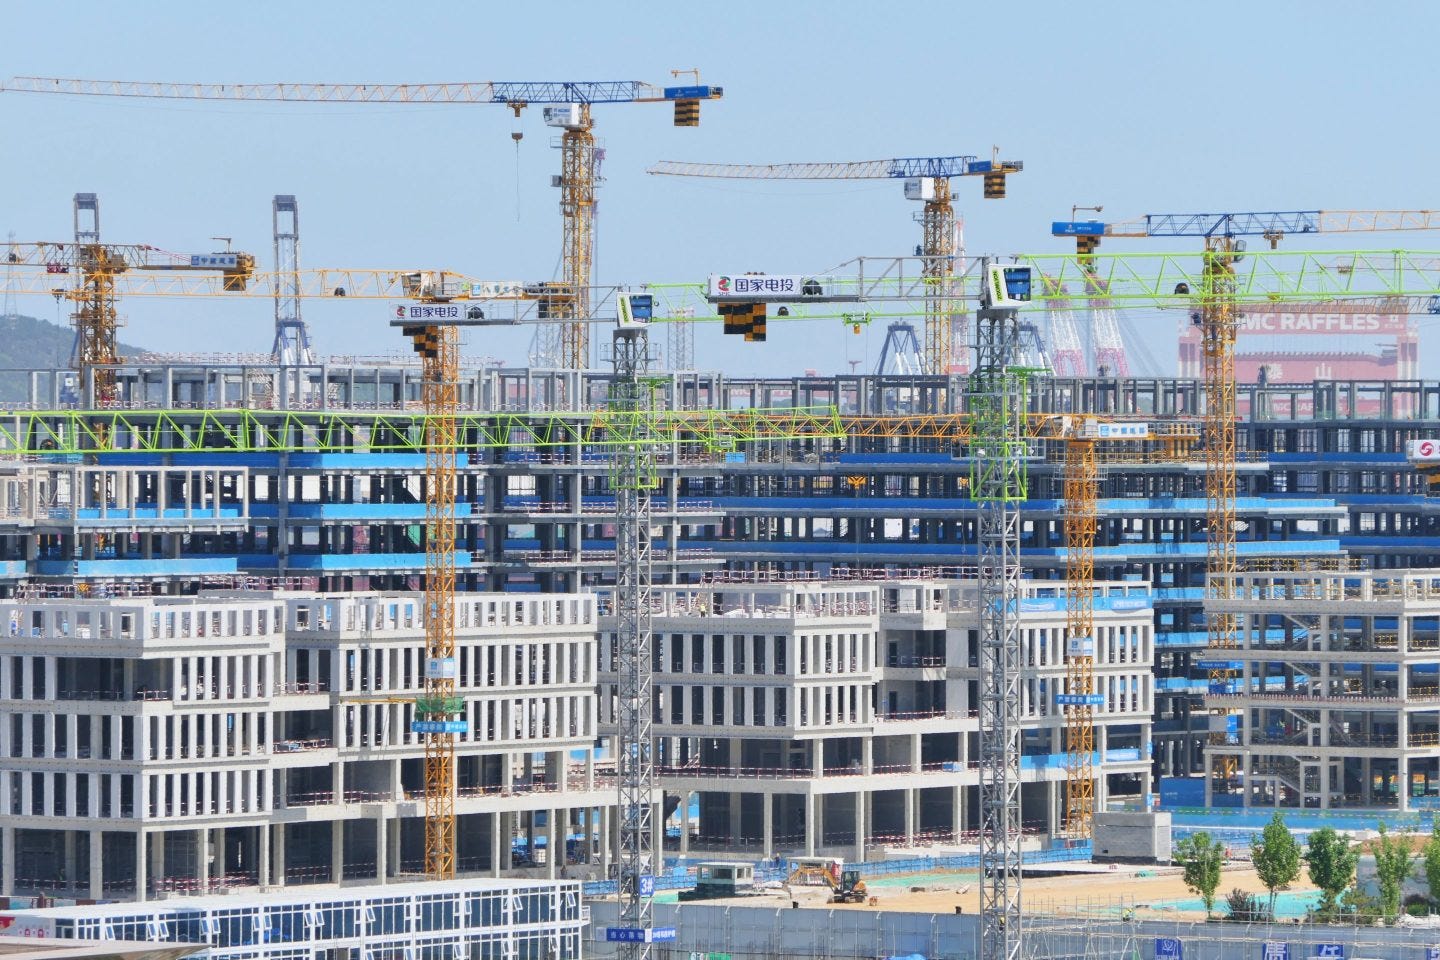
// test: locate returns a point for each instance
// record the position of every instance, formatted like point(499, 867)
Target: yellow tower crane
point(1216, 311)
point(566, 106)
point(438, 714)
point(92, 268)
point(926, 179)
point(432, 320)
point(1167, 441)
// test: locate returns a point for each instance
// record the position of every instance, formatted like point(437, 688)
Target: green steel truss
point(56, 432)
point(896, 286)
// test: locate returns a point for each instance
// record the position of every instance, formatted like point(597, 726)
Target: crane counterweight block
point(687, 113)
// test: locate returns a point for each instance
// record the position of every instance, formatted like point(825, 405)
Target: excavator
point(845, 885)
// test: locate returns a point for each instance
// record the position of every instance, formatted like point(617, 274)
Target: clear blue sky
point(1141, 106)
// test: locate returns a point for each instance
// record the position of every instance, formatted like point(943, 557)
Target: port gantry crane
point(1216, 311)
point(927, 179)
point(567, 106)
point(292, 339)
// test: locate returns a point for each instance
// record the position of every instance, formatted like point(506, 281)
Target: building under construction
point(834, 574)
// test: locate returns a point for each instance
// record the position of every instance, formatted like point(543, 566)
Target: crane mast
point(938, 220)
point(999, 484)
point(94, 317)
point(633, 477)
point(1082, 478)
point(438, 347)
point(1219, 324)
point(577, 209)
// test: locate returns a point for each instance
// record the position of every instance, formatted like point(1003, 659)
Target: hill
point(29, 342)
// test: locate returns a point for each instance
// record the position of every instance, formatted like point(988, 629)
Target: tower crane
point(92, 268)
point(1216, 312)
point(567, 106)
point(926, 179)
point(1080, 435)
point(997, 441)
point(631, 428)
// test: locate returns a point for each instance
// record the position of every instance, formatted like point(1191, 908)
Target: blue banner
point(1169, 948)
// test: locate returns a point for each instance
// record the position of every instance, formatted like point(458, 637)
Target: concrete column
point(69, 867)
point(142, 883)
point(337, 850)
point(157, 854)
point(911, 798)
point(529, 826)
point(496, 853)
point(615, 835)
point(277, 854)
point(262, 856)
point(860, 833)
point(7, 861)
point(382, 849)
point(97, 865)
point(607, 822)
point(958, 806)
point(222, 865)
point(554, 844)
point(684, 823)
point(657, 837)
point(767, 820)
point(812, 813)
point(1052, 808)
point(202, 859)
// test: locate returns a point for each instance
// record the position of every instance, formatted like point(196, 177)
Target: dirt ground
point(943, 892)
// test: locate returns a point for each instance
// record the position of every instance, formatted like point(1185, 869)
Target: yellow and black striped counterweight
point(744, 318)
point(687, 113)
point(425, 338)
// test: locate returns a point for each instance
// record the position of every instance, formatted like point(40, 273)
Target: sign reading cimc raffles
point(1300, 323)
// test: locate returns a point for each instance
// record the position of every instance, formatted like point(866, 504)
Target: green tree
point(1202, 858)
point(1431, 854)
point(1276, 855)
point(1394, 862)
point(1330, 860)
